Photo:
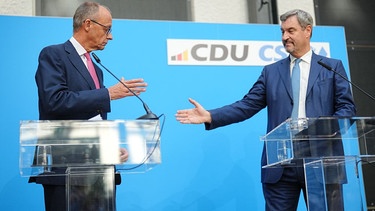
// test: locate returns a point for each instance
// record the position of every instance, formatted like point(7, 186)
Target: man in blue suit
point(322, 93)
point(67, 90)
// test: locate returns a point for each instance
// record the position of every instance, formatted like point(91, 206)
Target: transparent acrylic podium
point(334, 152)
point(87, 154)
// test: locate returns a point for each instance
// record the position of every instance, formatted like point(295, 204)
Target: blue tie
point(295, 87)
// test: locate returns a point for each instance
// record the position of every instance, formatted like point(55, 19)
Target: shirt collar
point(306, 58)
point(80, 50)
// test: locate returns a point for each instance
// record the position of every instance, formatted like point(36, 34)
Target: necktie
point(295, 87)
point(92, 71)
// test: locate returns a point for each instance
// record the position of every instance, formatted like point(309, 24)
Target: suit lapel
point(76, 61)
point(284, 71)
point(315, 70)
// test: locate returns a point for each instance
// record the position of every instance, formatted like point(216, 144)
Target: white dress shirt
point(304, 65)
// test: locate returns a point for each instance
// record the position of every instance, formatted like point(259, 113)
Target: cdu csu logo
point(230, 52)
point(219, 52)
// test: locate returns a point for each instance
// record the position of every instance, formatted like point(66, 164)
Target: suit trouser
point(82, 198)
point(54, 197)
point(284, 195)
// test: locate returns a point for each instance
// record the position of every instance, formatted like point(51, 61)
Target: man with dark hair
point(313, 92)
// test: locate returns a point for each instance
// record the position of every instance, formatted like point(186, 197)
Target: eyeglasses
point(107, 28)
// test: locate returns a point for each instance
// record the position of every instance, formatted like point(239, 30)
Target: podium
point(86, 155)
point(334, 153)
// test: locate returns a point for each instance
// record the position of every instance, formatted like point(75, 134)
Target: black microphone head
point(96, 57)
point(324, 65)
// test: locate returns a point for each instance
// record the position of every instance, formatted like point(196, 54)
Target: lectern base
point(90, 188)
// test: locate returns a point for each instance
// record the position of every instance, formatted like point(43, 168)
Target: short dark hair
point(303, 17)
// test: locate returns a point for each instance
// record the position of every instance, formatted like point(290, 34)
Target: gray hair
point(87, 10)
point(304, 18)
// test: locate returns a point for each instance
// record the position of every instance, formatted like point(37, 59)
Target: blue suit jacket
point(327, 95)
point(65, 88)
point(66, 91)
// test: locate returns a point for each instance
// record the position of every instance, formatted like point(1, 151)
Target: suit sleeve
point(248, 106)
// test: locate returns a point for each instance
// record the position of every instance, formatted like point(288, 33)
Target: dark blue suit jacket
point(327, 95)
point(66, 91)
point(65, 88)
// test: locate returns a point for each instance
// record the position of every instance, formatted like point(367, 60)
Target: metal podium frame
point(333, 151)
point(87, 154)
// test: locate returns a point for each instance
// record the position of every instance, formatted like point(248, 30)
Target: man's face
point(296, 40)
point(101, 30)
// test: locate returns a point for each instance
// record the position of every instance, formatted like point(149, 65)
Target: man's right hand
point(195, 115)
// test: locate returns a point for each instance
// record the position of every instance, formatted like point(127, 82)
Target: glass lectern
point(334, 152)
point(87, 154)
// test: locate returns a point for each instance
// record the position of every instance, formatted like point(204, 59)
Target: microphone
point(149, 114)
point(331, 69)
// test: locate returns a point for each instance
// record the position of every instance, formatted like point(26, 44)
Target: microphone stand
point(359, 88)
point(149, 114)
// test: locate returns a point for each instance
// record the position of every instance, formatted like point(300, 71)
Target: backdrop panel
point(200, 170)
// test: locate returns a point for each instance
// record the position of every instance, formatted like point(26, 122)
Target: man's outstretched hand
point(195, 115)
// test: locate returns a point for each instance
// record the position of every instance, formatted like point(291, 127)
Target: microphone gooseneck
point(359, 88)
point(149, 114)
